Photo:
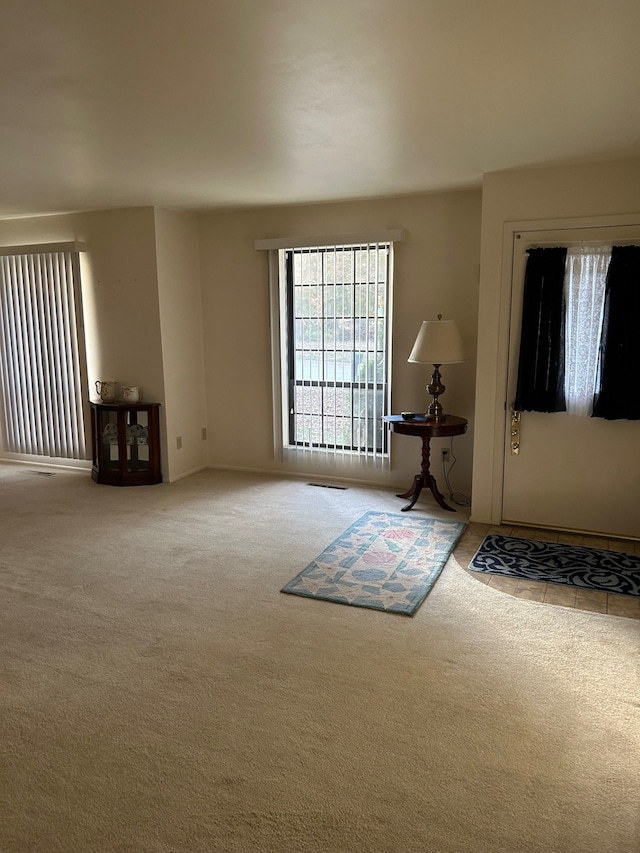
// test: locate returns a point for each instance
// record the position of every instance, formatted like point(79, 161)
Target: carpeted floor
point(158, 694)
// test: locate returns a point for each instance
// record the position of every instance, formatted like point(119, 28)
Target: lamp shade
point(438, 342)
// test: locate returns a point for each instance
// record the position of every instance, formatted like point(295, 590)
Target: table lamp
point(439, 342)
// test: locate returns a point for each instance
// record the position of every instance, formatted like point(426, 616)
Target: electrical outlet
point(204, 433)
point(179, 443)
point(445, 454)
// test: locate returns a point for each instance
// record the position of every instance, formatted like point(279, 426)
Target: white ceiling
point(209, 103)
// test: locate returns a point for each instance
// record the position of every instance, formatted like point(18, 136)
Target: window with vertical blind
point(331, 301)
point(42, 363)
point(337, 342)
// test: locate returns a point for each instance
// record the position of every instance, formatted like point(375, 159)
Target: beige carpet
point(158, 693)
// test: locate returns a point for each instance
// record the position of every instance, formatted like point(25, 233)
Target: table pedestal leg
point(424, 480)
point(413, 492)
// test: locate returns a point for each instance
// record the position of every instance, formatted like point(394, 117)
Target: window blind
point(42, 355)
point(338, 360)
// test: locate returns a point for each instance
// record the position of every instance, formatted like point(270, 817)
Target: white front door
point(572, 473)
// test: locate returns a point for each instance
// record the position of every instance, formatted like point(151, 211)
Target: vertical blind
point(41, 355)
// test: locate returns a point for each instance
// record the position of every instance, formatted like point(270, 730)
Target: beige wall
point(180, 301)
point(120, 290)
point(122, 255)
point(121, 293)
point(436, 271)
point(145, 318)
point(558, 195)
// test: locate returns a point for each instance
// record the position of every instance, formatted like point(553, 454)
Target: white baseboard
point(302, 475)
point(83, 465)
point(186, 474)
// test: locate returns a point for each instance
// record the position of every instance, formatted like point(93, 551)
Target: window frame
point(289, 379)
point(44, 409)
point(283, 451)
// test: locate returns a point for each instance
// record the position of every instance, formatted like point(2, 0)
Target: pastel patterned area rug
point(385, 561)
point(574, 565)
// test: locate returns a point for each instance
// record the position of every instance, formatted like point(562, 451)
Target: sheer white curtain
point(584, 286)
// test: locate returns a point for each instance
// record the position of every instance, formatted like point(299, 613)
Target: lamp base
point(435, 413)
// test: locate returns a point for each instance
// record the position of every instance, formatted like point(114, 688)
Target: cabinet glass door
point(109, 437)
point(137, 426)
point(126, 444)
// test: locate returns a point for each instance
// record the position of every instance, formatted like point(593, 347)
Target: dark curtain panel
point(541, 363)
point(619, 389)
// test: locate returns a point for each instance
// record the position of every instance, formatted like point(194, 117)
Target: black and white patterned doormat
point(574, 565)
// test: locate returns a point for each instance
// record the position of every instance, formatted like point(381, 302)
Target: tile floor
point(554, 594)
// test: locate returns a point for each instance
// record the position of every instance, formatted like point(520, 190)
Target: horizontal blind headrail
point(329, 242)
point(42, 249)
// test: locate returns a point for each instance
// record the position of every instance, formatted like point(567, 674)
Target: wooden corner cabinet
point(126, 443)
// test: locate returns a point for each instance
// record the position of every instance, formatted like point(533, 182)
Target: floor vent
point(328, 486)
